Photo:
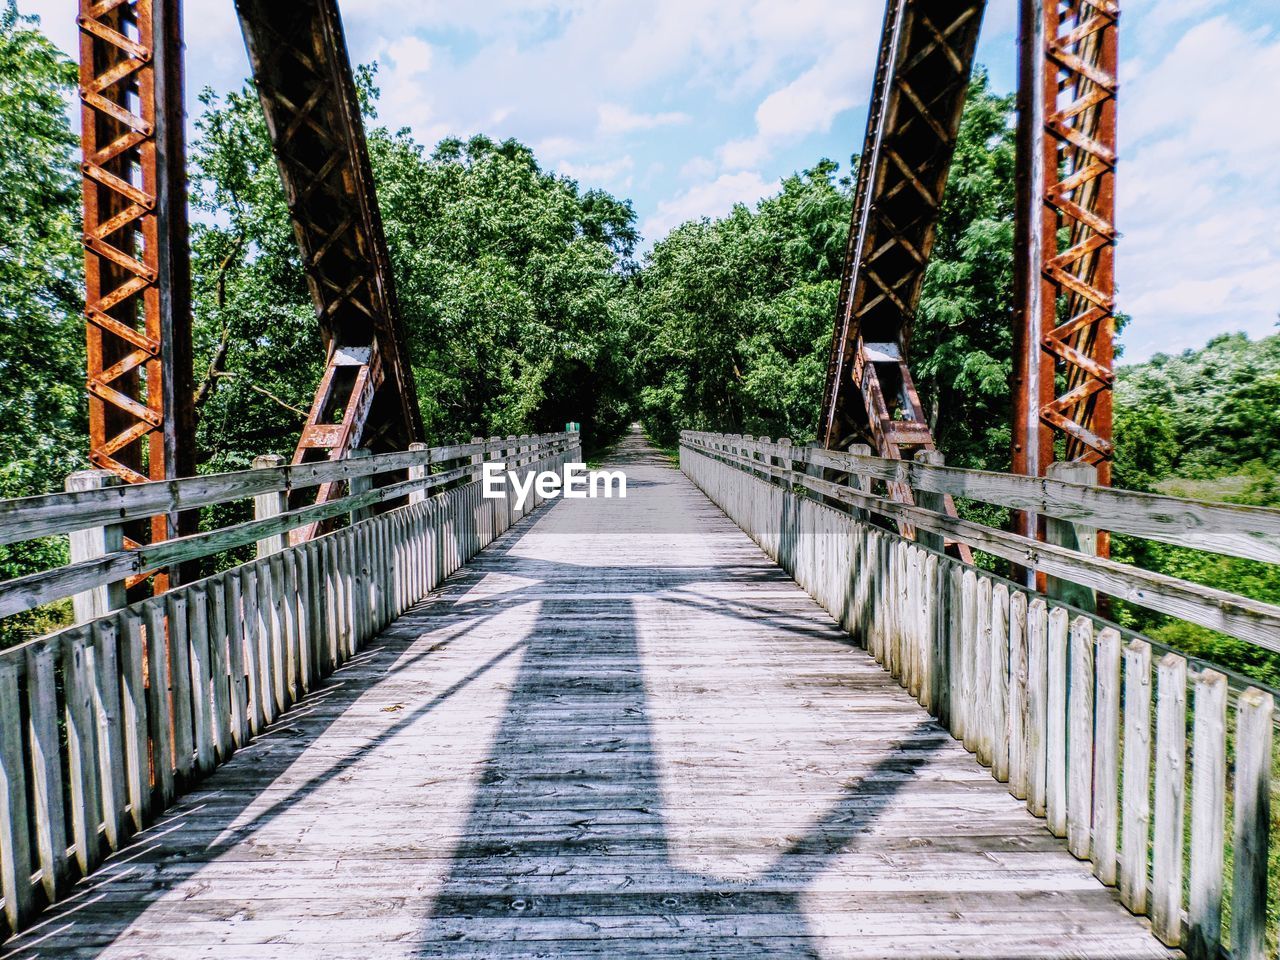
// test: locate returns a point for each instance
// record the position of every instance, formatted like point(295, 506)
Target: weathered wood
point(999, 674)
point(93, 543)
point(1241, 617)
point(1056, 726)
point(982, 672)
point(269, 505)
point(1208, 815)
point(15, 829)
point(131, 654)
point(1106, 757)
point(1254, 722)
point(1168, 823)
point(180, 684)
point(36, 589)
point(1252, 533)
point(1018, 707)
point(1075, 536)
point(82, 750)
point(1136, 832)
point(930, 500)
point(560, 765)
point(160, 722)
point(48, 811)
point(61, 513)
point(1080, 740)
point(1037, 723)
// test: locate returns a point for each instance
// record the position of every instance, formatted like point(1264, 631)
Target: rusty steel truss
point(137, 269)
point(1065, 295)
point(366, 396)
point(926, 55)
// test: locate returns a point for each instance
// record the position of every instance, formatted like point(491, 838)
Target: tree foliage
point(738, 312)
point(510, 278)
point(42, 411)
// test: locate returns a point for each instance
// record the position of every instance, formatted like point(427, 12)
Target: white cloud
point(619, 119)
point(697, 168)
point(838, 81)
point(613, 174)
point(711, 199)
point(1198, 189)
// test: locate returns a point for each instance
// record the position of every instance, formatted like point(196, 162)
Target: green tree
point(41, 327)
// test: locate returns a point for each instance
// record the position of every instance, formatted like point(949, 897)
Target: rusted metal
point(1065, 237)
point(922, 76)
point(366, 397)
point(137, 269)
point(926, 55)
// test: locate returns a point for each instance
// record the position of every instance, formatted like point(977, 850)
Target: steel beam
point(1064, 289)
point(366, 397)
point(137, 267)
point(922, 76)
point(1065, 278)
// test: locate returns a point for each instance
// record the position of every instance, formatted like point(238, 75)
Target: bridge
point(735, 713)
point(780, 700)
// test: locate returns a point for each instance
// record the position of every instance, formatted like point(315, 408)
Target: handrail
point(1248, 532)
point(67, 512)
point(1084, 721)
point(1251, 620)
point(51, 514)
point(105, 723)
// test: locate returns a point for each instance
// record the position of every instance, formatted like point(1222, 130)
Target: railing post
point(267, 505)
point(477, 459)
point(418, 472)
point(358, 485)
point(93, 543)
point(933, 502)
point(858, 481)
point(786, 463)
point(1073, 536)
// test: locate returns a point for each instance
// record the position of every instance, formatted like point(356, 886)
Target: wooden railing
point(103, 724)
point(1055, 700)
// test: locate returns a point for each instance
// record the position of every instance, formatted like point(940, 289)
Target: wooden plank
point(1056, 723)
point(52, 514)
point(968, 658)
point(982, 659)
point(1240, 617)
point(131, 653)
point(200, 690)
point(160, 718)
point(1252, 533)
point(1019, 706)
point(219, 672)
point(1208, 815)
point(1168, 823)
point(1106, 758)
point(15, 828)
point(1080, 740)
point(999, 674)
point(1136, 833)
point(1255, 718)
point(106, 708)
point(82, 750)
point(255, 684)
point(237, 662)
point(46, 772)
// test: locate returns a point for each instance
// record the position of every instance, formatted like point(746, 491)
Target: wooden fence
point(103, 724)
point(1061, 705)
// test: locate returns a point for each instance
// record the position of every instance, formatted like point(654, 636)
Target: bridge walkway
point(620, 731)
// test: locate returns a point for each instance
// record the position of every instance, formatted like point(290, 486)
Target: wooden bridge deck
point(620, 732)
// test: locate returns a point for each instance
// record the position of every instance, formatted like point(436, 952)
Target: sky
point(690, 106)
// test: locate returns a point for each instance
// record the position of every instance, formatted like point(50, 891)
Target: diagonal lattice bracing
point(1067, 235)
point(922, 74)
point(366, 396)
point(137, 278)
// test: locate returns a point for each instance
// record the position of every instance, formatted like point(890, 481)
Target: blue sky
point(690, 106)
